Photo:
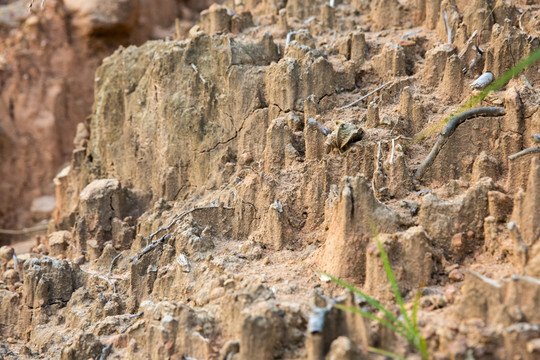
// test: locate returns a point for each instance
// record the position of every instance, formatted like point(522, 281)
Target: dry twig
point(112, 264)
point(524, 152)
point(24, 231)
point(452, 125)
point(365, 96)
point(448, 29)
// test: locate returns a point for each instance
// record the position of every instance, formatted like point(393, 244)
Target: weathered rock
point(343, 349)
point(443, 218)
point(526, 212)
point(84, 344)
point(413, 266)
point(101, 202)
point(355, 215)
point(505, 302)
point(58, 242)
point(46, 281)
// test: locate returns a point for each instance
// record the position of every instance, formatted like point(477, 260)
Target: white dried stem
point(113, 262)
point(482, 81)
point(289, 38)
point(448, 29)
point(524, 152)
point(365, 96)
point(324, 130)
point(379, 150)
point(392, 154)
point(24, 231)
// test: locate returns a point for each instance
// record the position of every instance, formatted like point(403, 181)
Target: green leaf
point(369, 299)
point(393, 283)
point(385, 353)
point(370, 316)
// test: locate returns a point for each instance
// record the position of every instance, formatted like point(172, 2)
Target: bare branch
point(524, 152)
point(452, 125)
point(365, 96)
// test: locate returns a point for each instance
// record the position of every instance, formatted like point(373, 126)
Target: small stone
point(10, 277)
point(80, 260)
point(245, 159)
point(6, 254)
point(451, 294)
point(229, 283)
point(533, 346)
point(456, 275)
point(42, 249)
point(217, 293)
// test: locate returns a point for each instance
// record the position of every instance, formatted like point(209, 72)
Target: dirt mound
point(218, 171)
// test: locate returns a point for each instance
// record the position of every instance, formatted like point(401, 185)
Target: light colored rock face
point(48, 63)
point(201, 197)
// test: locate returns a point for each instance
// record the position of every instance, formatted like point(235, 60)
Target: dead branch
point(175, 220)
point(524, 152)
point(24, 231)
point(150, 247)
point(375, 173)
point(452, 125)
point(105, 352)
point(289, 38)
point(365, 96)
point(112, 263)
point(77, 249)
point(179, 217)
point(131, 324)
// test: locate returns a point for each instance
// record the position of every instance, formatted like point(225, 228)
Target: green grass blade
point(415, 308)
point(394, 285)
point(370, 301)
point(498, 83)
point(382, 321)
point(385, 353)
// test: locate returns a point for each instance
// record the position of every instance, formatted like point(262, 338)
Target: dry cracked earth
point(237, 152)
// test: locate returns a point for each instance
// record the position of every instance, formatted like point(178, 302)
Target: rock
point(10, 276)
point(436, 60)
point(97, 18)
point(526, 213)
point(42, 207)
point(58, 242)
point(390, 63)
point(85, 344)
point(414, 268)
point(343, 254)
point(103, 201)
point(443, 218)
point(6, 255)
point(343, 349)
point(229, 350)
point(46, 280)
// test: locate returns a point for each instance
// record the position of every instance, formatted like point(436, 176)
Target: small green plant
point(408, 327)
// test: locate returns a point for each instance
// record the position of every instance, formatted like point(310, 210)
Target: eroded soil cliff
point(218, 171)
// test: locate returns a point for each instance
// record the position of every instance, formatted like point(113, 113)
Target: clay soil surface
point(206, 166)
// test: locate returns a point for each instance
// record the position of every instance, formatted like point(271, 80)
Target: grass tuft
point(407, 328)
